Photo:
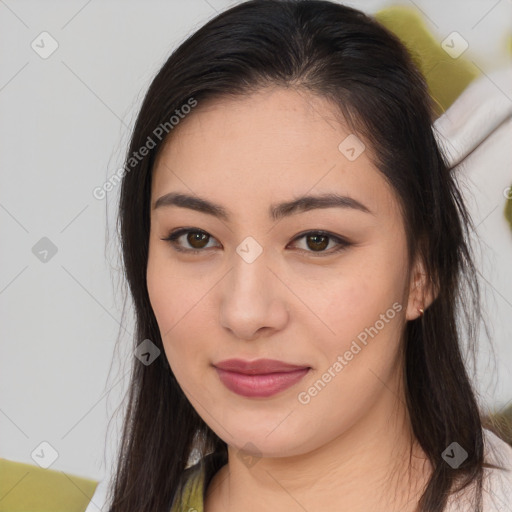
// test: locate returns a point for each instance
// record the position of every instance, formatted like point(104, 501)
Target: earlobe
point(421, 292)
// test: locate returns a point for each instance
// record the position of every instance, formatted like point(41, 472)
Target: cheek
point(363, 310)
point(163, 291)
point(358, 362)
point(173, 293)
point(174, 301)
point(354, 297)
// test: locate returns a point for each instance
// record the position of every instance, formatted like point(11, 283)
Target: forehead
point(271, 145)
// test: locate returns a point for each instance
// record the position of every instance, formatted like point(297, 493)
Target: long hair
point(343, 55)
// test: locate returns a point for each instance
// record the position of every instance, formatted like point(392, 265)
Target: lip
point(259, 378)
point(258, 366)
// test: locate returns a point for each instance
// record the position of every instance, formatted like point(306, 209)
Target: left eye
point(318, 241)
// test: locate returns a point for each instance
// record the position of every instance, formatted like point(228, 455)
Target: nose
point(254, 300)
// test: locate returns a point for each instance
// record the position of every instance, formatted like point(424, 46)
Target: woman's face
point(264, 283)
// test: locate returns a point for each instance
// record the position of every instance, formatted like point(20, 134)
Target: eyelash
point(342, 244)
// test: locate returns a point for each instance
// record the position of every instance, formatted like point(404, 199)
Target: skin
point(293, 303)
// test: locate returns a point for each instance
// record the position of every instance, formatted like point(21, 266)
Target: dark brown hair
point(341, 54)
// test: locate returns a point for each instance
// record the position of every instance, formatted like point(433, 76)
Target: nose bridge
point(252, 297)
point(250, 275)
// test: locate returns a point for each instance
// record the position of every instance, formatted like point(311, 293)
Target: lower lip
point(264, 385)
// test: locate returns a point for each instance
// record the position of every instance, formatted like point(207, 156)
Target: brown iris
point(196, 238)
point(319, 241)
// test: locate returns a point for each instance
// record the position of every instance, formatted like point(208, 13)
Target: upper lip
point(258, 366)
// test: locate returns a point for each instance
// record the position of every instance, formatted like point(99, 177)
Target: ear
point(421, 291)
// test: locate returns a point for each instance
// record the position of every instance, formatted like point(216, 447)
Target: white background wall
point(64, 125)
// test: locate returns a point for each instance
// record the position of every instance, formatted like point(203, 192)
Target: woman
point(296, 249)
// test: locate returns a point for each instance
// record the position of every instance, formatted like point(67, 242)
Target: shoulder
point(497, 483)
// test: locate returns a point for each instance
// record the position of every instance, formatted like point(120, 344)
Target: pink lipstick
point(259, 378)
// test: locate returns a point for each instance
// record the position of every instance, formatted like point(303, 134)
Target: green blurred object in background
point(446, 76)
point(29, 488)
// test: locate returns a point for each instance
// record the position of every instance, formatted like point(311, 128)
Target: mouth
point(261, 378)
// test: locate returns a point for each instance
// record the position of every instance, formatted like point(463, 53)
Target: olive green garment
point(191, 499)
point(196, 480)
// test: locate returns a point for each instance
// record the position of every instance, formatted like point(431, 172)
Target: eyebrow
point(276, 211)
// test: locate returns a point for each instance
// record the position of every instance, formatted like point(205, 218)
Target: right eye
point(196, 238)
